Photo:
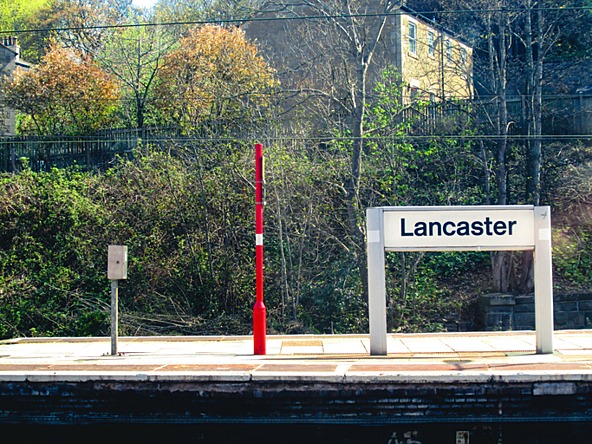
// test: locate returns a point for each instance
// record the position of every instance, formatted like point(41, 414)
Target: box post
point(116, 270)
point(114, 315)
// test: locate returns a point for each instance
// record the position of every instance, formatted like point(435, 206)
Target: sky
point(144, 3)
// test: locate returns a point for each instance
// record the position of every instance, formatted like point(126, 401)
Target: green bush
point(50, 280)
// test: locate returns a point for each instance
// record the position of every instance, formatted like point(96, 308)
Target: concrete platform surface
point(434, 356)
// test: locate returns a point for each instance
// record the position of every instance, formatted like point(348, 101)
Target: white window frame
point(431, 43)
point(448, 51)
point(412, 37)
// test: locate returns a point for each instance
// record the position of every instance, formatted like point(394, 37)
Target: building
point(9, 62)
point(432, 63)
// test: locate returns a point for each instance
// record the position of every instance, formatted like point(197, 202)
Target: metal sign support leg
point(543, 281)
point(376, 281)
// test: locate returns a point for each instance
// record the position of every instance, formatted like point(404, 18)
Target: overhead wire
point(287, 18)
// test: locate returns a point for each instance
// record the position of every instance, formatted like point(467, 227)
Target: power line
point(40, 140)
point(294, 18)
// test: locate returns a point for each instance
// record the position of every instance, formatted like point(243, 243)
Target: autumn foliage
point(67, 93)
point(215, 74)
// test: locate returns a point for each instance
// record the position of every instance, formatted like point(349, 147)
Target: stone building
point(9, 62)
point(432, 63)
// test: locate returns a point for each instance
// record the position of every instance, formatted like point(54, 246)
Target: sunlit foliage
point(215, 75)
point(67, 93)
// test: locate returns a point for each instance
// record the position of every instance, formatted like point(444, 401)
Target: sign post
point(462, 228)
point(259, 310)
point(543, 280)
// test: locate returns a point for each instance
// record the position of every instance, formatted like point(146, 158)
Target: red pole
point(259, 311)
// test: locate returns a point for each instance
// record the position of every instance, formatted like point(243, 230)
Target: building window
point(448, 51)
point(463, 57)
point(431, 43)
point(412, 38)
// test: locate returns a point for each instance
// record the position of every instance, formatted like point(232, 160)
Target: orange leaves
point(213, 74)
point(66, 94)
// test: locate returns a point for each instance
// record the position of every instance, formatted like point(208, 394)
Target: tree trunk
point(363, 53)
point(500, 260)
point(354, 211)
point(534, 59)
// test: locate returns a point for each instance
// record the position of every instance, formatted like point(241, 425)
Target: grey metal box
point(117, 262)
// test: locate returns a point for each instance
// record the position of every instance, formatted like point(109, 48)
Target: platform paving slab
point(337, 355)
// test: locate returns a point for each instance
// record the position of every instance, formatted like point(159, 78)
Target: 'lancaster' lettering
point(485, 227)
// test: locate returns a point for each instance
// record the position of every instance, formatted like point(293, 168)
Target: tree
point(401, 170)
point(130, 54)
point(66, 94)
point(20, 15)
point(514, 38)
point(134, 56)
point(12, 12)
point(202, 10)
point(214, 76)
point(495, 24)
point(334, 47)
point(85, 24)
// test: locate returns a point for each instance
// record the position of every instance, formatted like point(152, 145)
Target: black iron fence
point(96, 151)
point(564, 115)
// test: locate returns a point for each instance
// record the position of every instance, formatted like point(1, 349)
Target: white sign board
point(491, 228)
point(458, 228)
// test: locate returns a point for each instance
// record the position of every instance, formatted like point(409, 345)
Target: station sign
point(459, 228)
point(462, 228)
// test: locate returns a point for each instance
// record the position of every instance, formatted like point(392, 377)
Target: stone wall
point(501, 311)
